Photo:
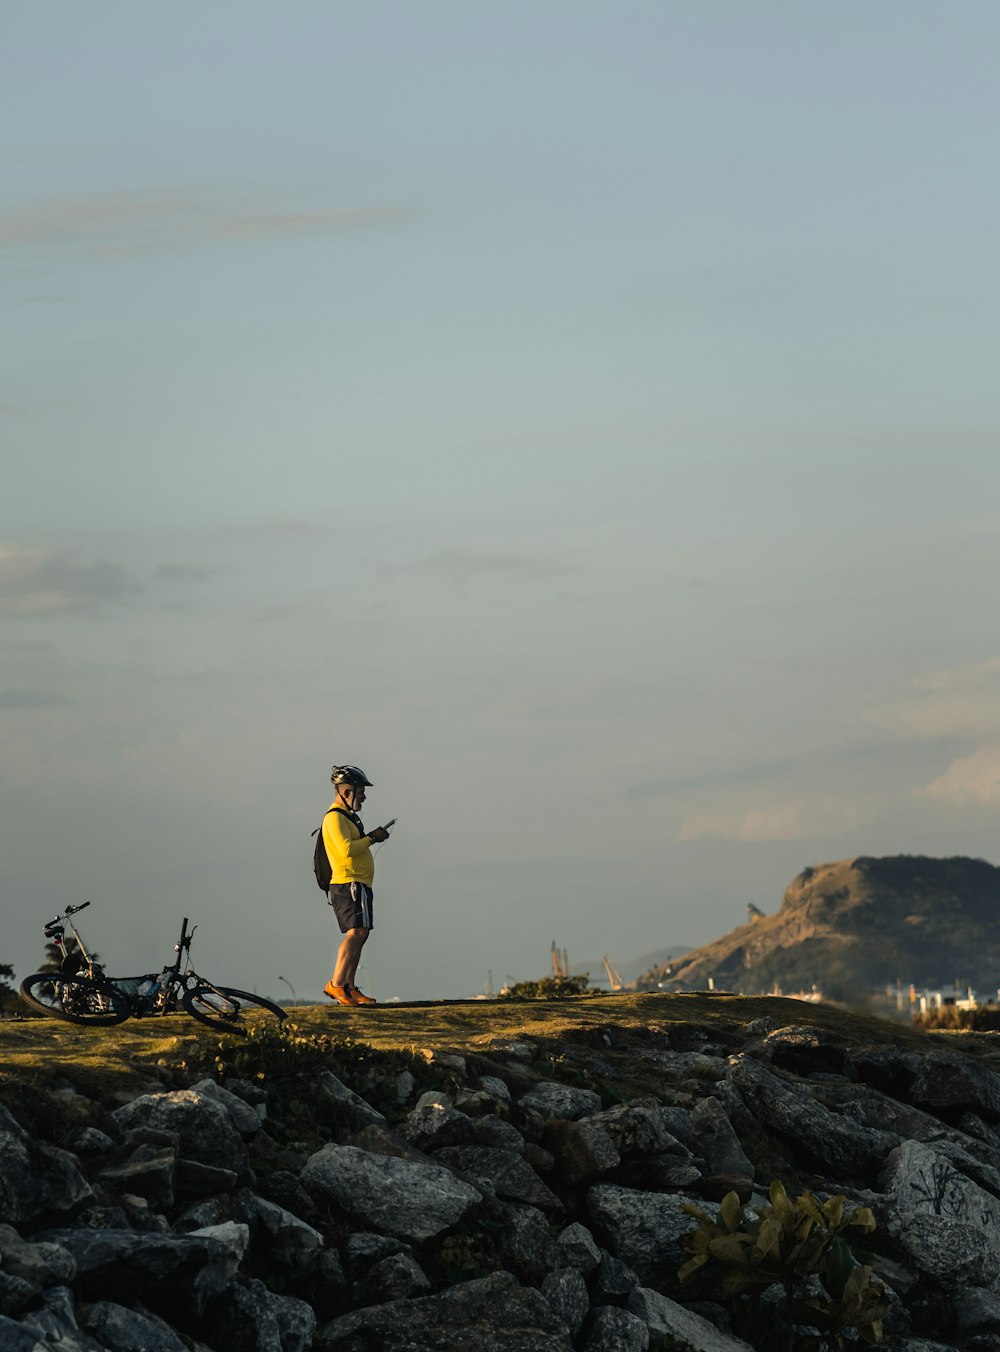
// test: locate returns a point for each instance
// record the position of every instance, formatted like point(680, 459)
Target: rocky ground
point(491, 1191)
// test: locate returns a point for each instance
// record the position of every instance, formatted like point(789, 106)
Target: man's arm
point(340, 842)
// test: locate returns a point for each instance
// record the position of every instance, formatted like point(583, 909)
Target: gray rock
point(358, 1112)
point(90, 1141)
point(405, 1085)
point(494, 1131)
point(842, 1145)
point(400, 1197)
point(243, 1117)
point(948, 1225)
point(203, 1125)
point(476, 1102)
point(234, 1236)
point(248, 1317)
point(248, 1091)
point(38, 1263)
point(168, 1273)
point(148, 1171)
point(551, 1099)
point(203, 1179)
point(614, 1330)
point(566, 1292)
point(498, 1171)
point(613, 1280)
point(433, 1126)
point(363, 1250)
point(492, 1085)
point(54, 1322)
point(638, 1129)
point(398, 1277)
point(946, 1081)
point(642, 1229)
point(35, 1179)
point(526, 1242)
point(517, 1051)
point(290, 1241)
point(575, 1247)
point(582, 1151)
point(16, 1294)
point(490, 1314)
point(434, 1098)
point(16, 1337)
point(678, 1327)
point(715, 1140)
point(975, 1308)
point(125, 1330)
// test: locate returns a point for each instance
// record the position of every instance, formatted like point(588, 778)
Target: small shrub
point(797, 1246)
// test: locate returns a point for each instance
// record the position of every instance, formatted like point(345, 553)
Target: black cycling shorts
point(353, 903)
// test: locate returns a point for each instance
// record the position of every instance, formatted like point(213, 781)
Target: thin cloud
point(460, 568)
point(130, 222)
point(35, 581)
point(968, 780)
point(185, 572)
point(30, 699)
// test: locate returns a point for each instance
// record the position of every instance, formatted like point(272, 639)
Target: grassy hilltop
point(613, 1028)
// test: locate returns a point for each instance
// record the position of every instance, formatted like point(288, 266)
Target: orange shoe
point(360, 998)
point(341, 994)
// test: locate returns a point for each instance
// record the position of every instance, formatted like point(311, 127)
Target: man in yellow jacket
point(352, 873)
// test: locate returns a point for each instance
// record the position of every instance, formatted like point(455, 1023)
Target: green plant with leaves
point(551, 988)
point(798, 1245)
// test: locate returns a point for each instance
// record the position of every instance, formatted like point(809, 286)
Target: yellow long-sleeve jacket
point(349, 852)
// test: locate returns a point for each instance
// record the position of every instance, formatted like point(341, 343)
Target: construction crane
point(560, 962)
point(614, 976)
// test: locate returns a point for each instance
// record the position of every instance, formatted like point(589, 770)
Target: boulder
point(243, 1117)
point(677, 1327)
point(496, 1131)
point(948, 1225)
point(400, 1197)
point(489, 1314)
point(550, 1099)
point(53, 1322)
point(172, 1274)
point(642, 1229)
point(147, 1171)
point(288, 1241)
point(611, 1329)
point(203, 1179)
point(975, 1308)
point(948, 1083)
point(247, 1317)
point(575, 1247)
point(397, 1277)
point(638, 1129)
point(837, 1142)
point(525, 1241)
point(714, 1139)
point(582, 1150)
point(358, 1112)
point(433, 1125)
point(203, 1125)
point(36, 1179)
point(566, 1292)
point(492, 1085)
point(613, 1280)
point(126, 1330)
point(500, 1172)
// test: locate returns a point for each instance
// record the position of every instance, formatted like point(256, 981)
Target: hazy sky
point(584, 416)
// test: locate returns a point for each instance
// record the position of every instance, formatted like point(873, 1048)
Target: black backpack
point(321, 860)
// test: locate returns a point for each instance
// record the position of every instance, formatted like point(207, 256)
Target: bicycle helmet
point(350, 774)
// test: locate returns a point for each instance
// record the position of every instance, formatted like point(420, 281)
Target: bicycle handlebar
point(72, 910)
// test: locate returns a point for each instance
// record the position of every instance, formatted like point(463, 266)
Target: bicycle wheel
point(75, 998)
point(225, 1007)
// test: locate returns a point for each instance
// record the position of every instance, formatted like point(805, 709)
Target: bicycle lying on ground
point(82, 992)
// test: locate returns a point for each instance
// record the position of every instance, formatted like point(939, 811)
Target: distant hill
point(852, 926)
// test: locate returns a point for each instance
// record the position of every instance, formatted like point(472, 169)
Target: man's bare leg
point(348, 957)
